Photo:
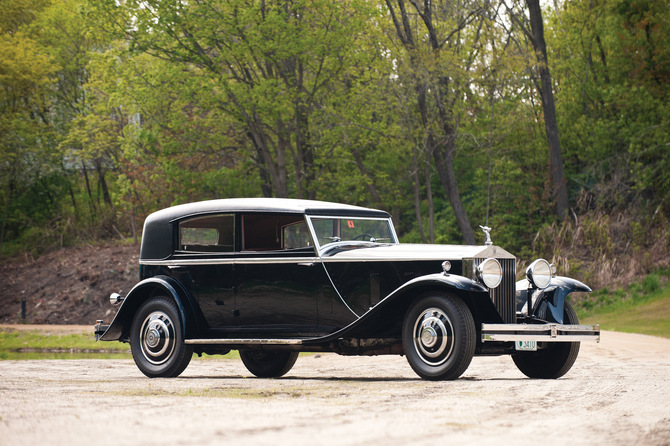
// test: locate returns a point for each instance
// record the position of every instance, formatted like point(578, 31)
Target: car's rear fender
point(119, 329)
point(385, 318)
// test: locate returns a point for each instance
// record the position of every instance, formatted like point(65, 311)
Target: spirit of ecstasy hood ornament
point(486, 230)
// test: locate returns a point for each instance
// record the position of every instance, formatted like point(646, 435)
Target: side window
point(274, 232)
point(296, 235)
point(214, 233)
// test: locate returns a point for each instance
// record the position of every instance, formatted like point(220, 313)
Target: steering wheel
point(363, 235)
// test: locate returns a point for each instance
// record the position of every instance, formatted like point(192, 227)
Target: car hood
point(407, 252)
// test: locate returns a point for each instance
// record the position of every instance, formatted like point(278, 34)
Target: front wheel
point(268, 364)
point(555, 360)
point(439, 337)
point(156, 339)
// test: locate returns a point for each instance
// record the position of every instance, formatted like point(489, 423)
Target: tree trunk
point(266, 181)
point(103, 184)
point(364, 171)
point(4, 219)
point(551, 126)
point(417, 199)
point(74, 202)
point(88, 188)
point(277, 170)
point(444, 163)
point(445, 169)
point(133, 226)
point(431, 207)
point(305, 153)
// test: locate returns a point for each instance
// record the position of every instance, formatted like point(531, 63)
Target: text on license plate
point(527, 346)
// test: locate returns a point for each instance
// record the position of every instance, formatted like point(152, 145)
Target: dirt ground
point(68, 286)
point(618, 393)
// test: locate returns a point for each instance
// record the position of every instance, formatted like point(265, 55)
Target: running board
point(244, 341)
point(540, 332)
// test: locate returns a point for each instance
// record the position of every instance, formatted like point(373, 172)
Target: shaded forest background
point(433, 111)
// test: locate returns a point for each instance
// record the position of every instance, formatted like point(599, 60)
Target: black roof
point(157, 234)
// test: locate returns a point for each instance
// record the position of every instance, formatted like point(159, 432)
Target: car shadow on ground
point(361, 379)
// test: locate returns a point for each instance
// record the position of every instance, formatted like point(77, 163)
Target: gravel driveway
point(618, 393)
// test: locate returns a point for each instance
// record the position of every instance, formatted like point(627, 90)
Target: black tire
point(554, 361)
point(156, 339)
point(268, 364)
point(439, 337)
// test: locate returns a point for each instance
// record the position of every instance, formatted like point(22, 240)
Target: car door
point(205, 259)
point(278, 276)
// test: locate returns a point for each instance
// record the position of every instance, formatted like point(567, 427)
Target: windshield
point(343, 229)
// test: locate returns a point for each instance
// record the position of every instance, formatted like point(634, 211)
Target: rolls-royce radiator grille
point(504, 296)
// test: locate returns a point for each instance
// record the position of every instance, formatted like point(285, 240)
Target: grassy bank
point(39, 344)
point(643, 307)
point(42, 344)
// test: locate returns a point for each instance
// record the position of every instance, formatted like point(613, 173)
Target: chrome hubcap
point(157, 338)
point(433, 336)
point(429, 336)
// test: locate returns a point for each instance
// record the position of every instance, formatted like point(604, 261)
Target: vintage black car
point(275, 277)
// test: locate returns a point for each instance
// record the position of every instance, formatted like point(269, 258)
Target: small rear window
point(199, 236)
point(214, 233)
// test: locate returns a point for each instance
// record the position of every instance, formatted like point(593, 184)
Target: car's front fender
point(119, 329)
point(394, 306)
point(555, 294)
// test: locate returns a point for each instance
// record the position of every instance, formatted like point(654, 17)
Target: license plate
point(525, 346)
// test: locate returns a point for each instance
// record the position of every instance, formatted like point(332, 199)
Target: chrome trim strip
point(381, 259)
point(239, 261)
point(261, 260)
point(245, 341)
point(236, 260)
point(540, 332)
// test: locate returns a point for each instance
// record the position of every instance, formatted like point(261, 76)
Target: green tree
point(25, 100)
point(267, 65)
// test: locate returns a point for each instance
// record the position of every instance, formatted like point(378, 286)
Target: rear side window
point(213, 233)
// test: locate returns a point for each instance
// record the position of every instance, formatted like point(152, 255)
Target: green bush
point(651, 284)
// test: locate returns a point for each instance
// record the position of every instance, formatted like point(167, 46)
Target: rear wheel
point(439, 337)
point(156, 339)
point(268, 364)
point(555, 360)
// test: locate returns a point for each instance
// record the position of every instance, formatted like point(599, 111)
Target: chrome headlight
point(489, 272)
point(539, 273)
point(116, 299)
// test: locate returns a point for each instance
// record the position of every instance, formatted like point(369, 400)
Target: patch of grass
point(17, 344)
point(651, 317)
point(643, 307)
point(16, 356)
point(43, 342)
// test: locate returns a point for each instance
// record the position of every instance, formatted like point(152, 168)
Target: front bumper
point(540, 332)
point(100, 329)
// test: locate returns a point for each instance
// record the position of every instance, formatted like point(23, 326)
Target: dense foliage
point(110, 110)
